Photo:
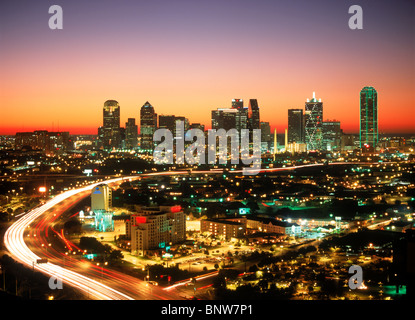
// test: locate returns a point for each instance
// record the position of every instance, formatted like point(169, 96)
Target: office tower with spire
point(368, 117)
point(148, 125)
point(110, 132)
point(313, 124)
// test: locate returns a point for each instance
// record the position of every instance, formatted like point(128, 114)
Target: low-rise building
point(271, 225)
point(226, 228)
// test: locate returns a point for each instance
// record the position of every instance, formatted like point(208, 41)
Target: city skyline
point(196, 57)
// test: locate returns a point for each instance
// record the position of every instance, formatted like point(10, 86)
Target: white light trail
point(15, 244)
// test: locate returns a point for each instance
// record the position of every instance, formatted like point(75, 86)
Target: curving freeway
point(96, 282)
point(16, 245)
point(116, 286)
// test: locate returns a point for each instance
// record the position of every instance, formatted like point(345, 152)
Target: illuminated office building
point(314, 124)
point(295, 126)
point(368, 117)
point(224, 118)
point(332, 135)
point(148, 125)
point(131, 134)
point(110, 132)
point(253, 114)
point(237, 104)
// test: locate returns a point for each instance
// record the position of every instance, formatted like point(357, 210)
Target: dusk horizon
point(213, 157)
point(196, 57)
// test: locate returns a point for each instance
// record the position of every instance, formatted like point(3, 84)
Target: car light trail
point(15, 244)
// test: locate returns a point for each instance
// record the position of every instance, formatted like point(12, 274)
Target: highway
point(16, 245)
point(96, 282)
point(83, 275)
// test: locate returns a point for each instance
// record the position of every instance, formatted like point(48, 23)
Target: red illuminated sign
point(139, 220)
point(175, 209)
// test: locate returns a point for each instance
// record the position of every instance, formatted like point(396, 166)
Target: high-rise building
point(332, 135)
point(313, 124)
point(167, 122)
point(197, 126)
point(131, 134)
point(179, 132)
point(295, 126)
point(171, 122)
point(368, 117)
point(223, 118)
point(241, 117)
point(237, 104)
point(253, 114)
point(148, 125)
point(110, 131)
point(265, 132)
point(266, 137)
point(155, 228)
point(101, 198)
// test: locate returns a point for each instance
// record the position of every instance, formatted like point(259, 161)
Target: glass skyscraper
point(368, 117)
point(110, 131)
point(148, 125)
point(131, 134)
point(253, 114)
point(332, 135)
point(295, 126)
point(314, 124)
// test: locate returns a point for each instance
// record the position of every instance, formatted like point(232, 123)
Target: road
point(96, 282)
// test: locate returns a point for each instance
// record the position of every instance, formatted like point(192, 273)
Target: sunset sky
point(190, 57)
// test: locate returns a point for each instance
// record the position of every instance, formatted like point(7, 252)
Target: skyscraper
point(253, 114)
point(241, 121)
point(332, 135)
point(237, 104)
point(313, 124)
point(368, 117)
point(110, 131)
point(148, 125)
point(131, 134)
point(295, 126)
point(171, 123)
point(167, 122)
point(265, 132)
point(223, 118)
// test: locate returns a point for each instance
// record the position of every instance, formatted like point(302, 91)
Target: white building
point(101, 202)
point(101, 198)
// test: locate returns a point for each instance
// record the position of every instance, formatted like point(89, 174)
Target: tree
point(116, 255)
point(73, 226)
